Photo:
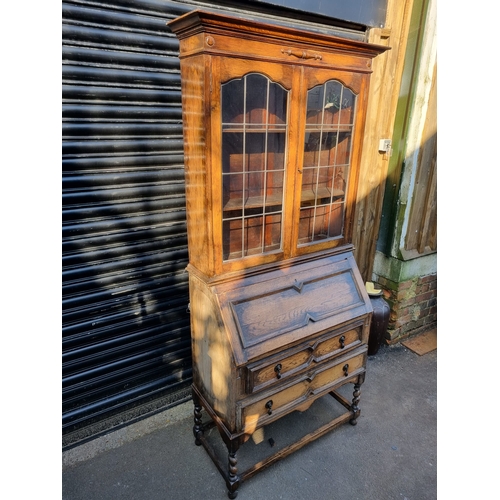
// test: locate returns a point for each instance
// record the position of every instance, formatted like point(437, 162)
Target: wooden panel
point(382, 103)
point(213, 369)
point(290, 302)
point(200, 238)
point(422, 225)
point(225, 35)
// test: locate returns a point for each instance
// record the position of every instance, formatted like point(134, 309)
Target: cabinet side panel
point(213, 365)
point(195, 161)
point(357, 148)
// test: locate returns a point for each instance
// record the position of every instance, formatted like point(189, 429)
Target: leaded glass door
point(326, 162)
point(254, 143)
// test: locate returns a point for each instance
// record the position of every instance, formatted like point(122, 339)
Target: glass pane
point(272, 236)
point(253, 235)
point(233, 102)
point(232, 238)
point(232, 153)
point(278, 98)
point(276, 151)
point(232, 192)
point(320, 223)
point(255, 190)
point(253, 165)
point(274, 190)
point(343, 150)
point(255, 149)
point(256, 99)
point(347, 107)
point(326, 161)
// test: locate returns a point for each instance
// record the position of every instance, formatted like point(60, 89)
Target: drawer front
point(280, 368)
point(309, 387)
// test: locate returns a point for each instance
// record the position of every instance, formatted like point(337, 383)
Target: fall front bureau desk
point(266, 344)
point(273, 124)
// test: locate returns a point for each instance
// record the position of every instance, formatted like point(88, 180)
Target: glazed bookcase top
point(273, 124)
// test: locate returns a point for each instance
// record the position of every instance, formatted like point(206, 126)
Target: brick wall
point(413, 306)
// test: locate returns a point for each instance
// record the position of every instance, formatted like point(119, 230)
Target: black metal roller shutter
point(126, 338)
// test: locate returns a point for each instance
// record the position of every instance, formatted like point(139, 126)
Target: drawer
point(309, 387)
point(291, 362)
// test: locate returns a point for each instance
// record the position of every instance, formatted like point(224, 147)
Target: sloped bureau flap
point(270, 311)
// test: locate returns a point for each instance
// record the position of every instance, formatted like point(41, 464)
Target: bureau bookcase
point(273, 123)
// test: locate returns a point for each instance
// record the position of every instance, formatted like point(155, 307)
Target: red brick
point(428, 320)
point(428, 278)
point(419, 323)
point(405, 311)
point(425, 296)
point(413, 305)
point(423, 312)
point(409, 302)
point(403, 320)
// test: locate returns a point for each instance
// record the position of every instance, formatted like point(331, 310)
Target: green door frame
point(390, 207)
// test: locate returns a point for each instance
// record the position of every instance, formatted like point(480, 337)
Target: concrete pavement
point(390, 454)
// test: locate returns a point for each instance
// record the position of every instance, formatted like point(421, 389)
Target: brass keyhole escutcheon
point(269, 406)
point(342, 341)
point(346, 369)
point(277, 369)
